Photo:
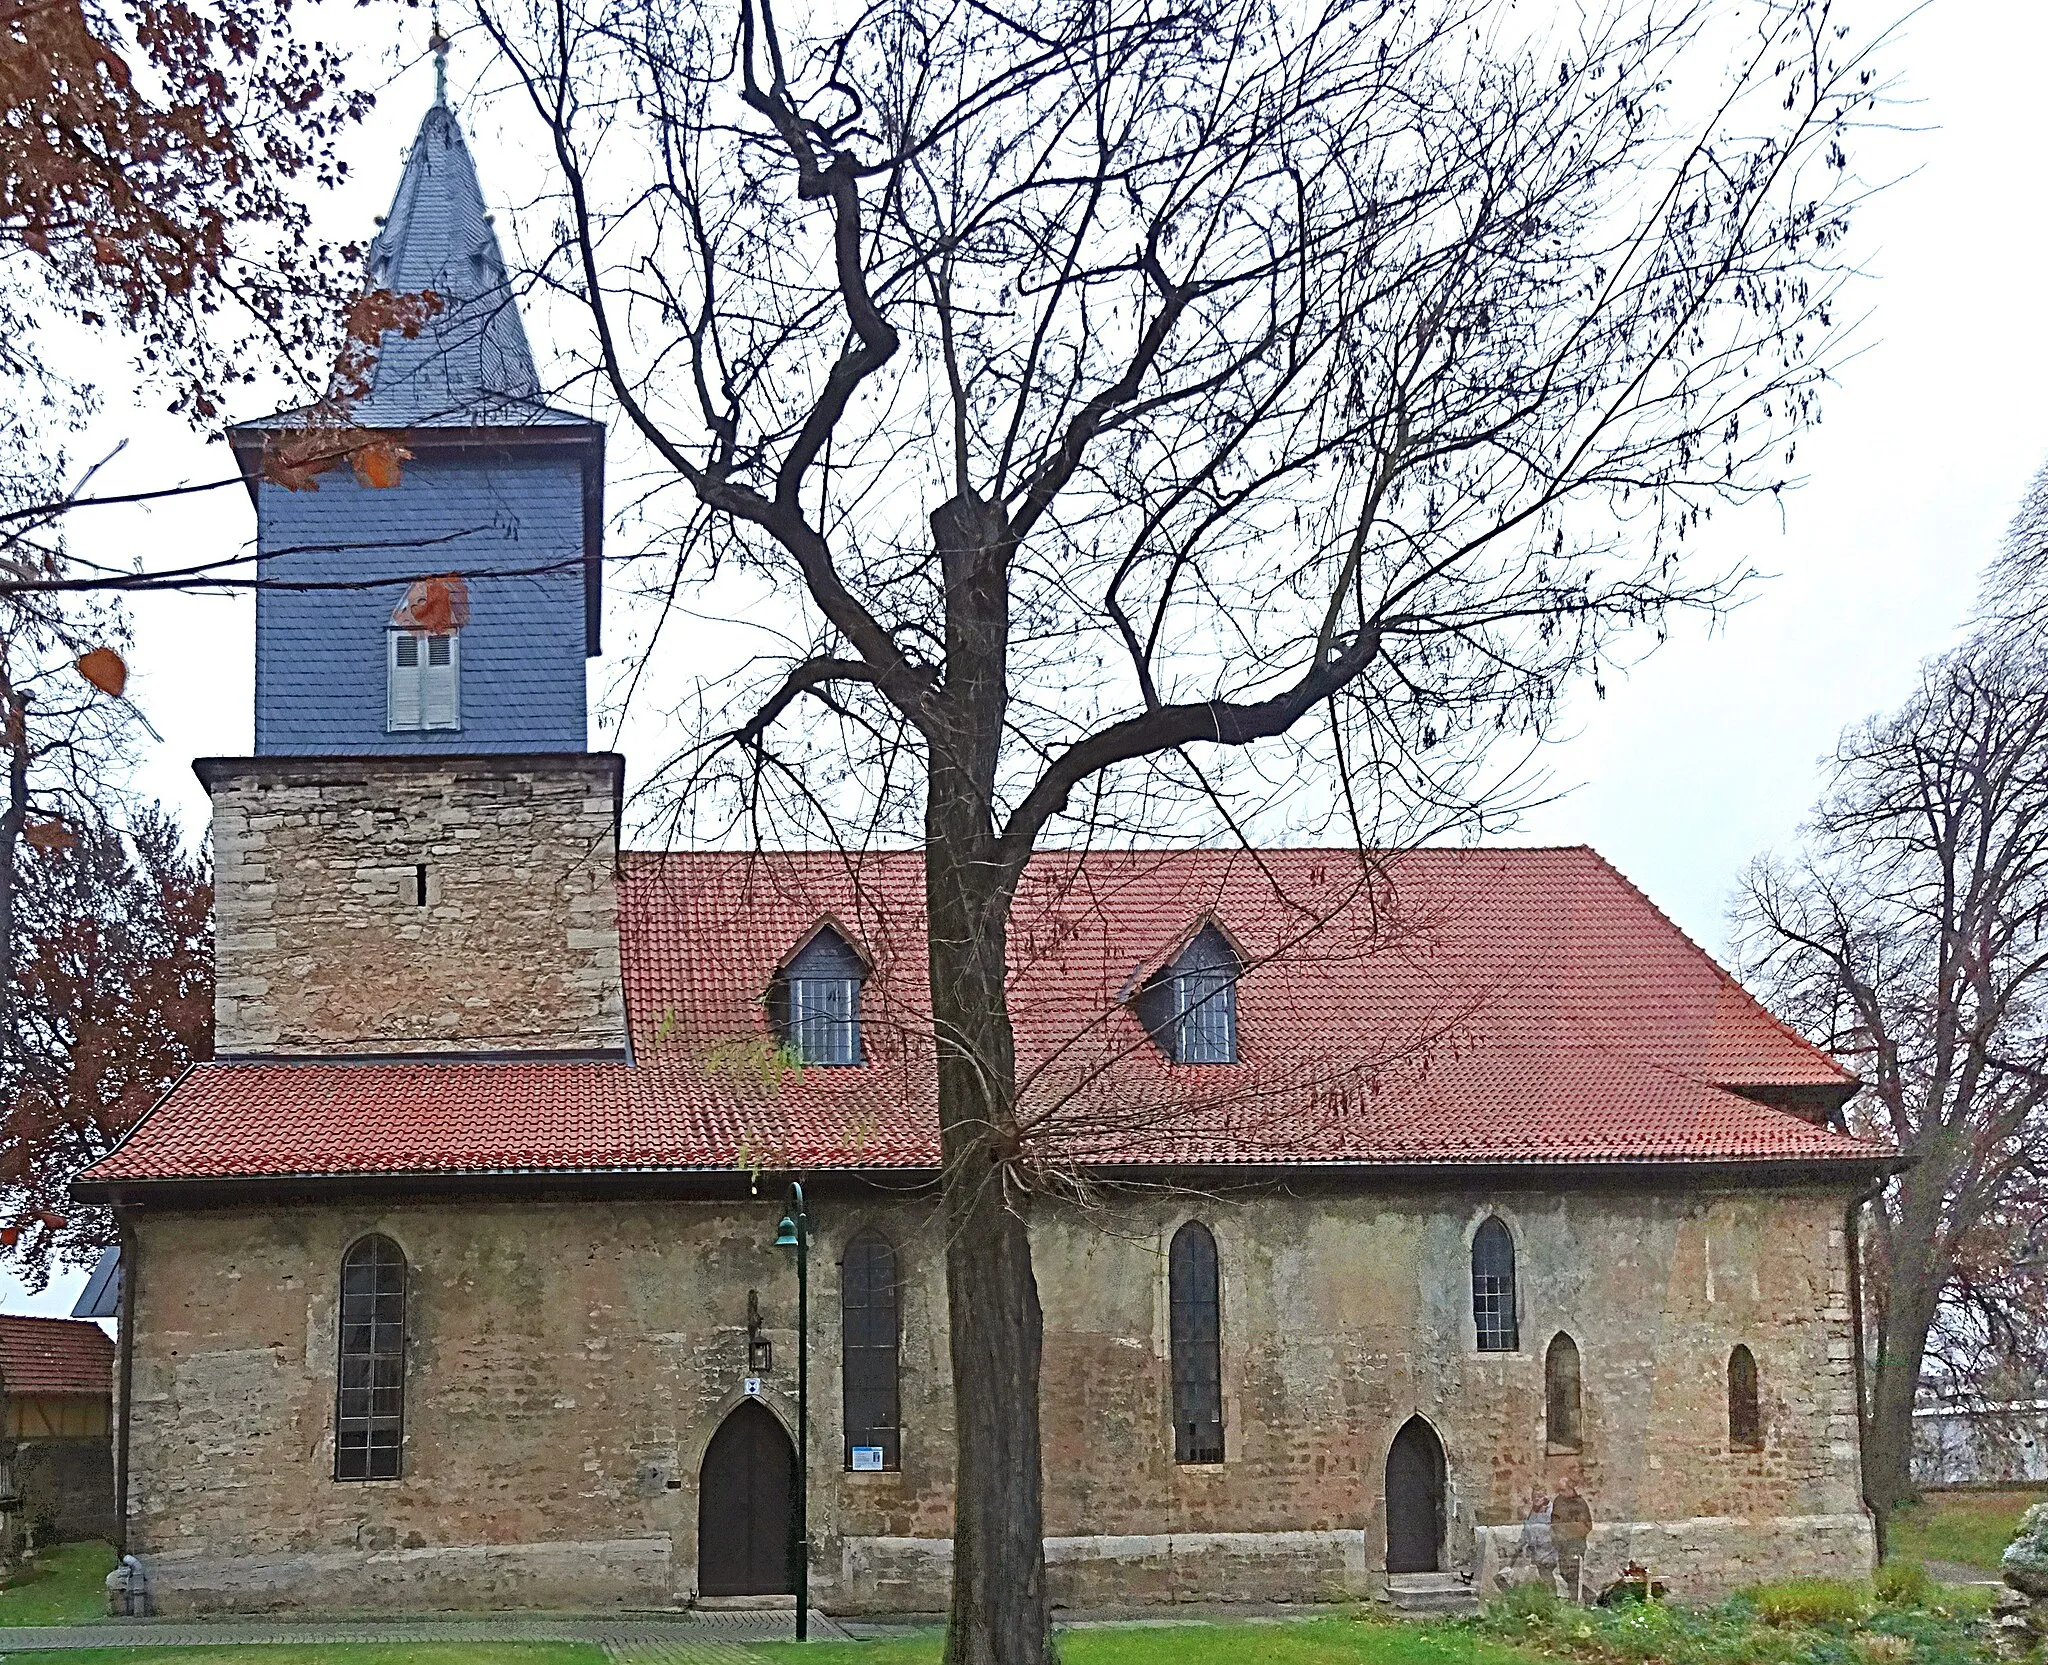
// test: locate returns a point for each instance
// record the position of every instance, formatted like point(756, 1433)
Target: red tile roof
point(1439, 1006)
point(54, 1355)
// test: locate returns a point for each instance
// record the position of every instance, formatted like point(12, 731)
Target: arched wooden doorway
point(1415, 1499)
point(746, 1508)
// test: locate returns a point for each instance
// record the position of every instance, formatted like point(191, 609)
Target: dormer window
point(423, 680)
point(1189, 1006)
point(816, 1001)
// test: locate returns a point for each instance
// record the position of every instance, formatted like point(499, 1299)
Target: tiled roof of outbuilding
point(1435, 1007)
point(54, 1355)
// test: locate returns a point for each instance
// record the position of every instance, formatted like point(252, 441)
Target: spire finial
point(437, 43)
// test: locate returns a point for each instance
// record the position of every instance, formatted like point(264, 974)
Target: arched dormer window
point(815, 1003)
point(1189, 1005)
point(1561, 1393)
point(369, 1394)
point(1493, 1289)
point(1745, 1415)
point(869, 1337)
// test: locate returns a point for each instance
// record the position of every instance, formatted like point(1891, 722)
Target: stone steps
point(1430, 1595)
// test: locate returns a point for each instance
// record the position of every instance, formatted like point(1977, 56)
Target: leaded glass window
point(1493, 1289)
point(818, 1001)
point(1197, 1340)
point(369, 1408)
point(869, 1334)
point(1190, 1005)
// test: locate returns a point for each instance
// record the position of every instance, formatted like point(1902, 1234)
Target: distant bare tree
point(1095, 392)
point(1911, 937)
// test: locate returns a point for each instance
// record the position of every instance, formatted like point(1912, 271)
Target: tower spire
point(437, 43)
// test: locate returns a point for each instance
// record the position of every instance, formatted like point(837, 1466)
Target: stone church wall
point(570, 1361)
point(324, 944)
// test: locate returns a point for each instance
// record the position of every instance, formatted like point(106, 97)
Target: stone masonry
point(569, 1361)
point(327, 945)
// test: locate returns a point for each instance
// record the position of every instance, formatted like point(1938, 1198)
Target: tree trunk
point(1913, 1281)
point(13, 820)
point(999, 1613)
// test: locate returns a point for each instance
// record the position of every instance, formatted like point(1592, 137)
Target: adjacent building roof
point(1432, 1008)
point(54, 1355)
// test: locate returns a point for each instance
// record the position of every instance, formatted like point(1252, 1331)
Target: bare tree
point(1110, 389)
point(1911, 937)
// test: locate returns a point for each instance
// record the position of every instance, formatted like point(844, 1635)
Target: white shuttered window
point(425, 689)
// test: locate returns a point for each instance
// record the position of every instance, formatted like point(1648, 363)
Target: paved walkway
point(695, 1638)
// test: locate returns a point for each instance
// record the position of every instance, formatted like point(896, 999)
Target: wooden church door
point(746, 1508)
point(1415, 1499)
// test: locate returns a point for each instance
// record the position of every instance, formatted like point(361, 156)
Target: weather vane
point(437, 43)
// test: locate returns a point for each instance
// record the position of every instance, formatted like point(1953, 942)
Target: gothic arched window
point(815, 1003)
point(1561, 1393)
point(1493, 1289)
point(1745, 1417)
point(369, 1395)
point(869, 1334)
point(1197, 1343)
point(1189, 1006)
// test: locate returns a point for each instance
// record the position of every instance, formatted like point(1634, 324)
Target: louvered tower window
point(369, 1409)
point(425, 687)
point(1197, 1342)
point(1493, 1289)
point(868, 1353)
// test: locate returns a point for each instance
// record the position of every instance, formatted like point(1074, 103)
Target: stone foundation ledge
point(907, 1575)
point(618, 1572)
point(1703, 1558)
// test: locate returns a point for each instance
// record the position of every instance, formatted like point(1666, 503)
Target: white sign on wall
point(867, 1459)
point(752, 1387)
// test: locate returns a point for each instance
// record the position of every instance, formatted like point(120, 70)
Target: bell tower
point(446, 598)
point(420, 856)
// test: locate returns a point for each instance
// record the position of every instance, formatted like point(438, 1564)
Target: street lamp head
point(785, 1234)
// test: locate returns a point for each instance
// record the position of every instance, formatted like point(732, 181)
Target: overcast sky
point(1703, 755)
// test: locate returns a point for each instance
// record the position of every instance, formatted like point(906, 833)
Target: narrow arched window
point(1493, 1289)
point(369, 1398)
point(1189, 1006)
point(815, 1002)
point(1745, 1419)
point(867, 1353)
point(1197, 1338)
point(1561, 1393)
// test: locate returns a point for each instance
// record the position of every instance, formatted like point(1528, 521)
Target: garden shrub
point(1810, 1601)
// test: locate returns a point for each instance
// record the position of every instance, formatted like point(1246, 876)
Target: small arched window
point(1189, 1006)
point(369, 1398)
point(1745, 1418)
point(869, 1333)
point(815, 1003)
point(1561, 1393)
point(1197, 1341)
point(1493, 1289)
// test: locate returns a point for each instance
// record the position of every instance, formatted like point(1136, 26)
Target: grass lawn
point(66, 1587)
point(264, 1653)
point(1306, 1642)
point(1970, 1527)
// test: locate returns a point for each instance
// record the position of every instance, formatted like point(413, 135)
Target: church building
point(1418, 1195)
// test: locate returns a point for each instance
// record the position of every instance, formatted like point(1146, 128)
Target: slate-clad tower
point(420, 856)
point(501, 488)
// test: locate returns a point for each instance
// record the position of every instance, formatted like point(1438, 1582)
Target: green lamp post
point(795, 1233)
